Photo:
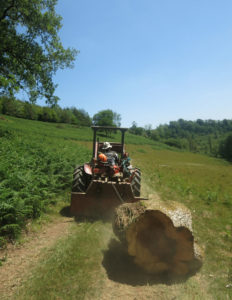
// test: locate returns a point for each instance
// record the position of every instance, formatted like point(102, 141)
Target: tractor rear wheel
point(136, 183)
point(81, 180)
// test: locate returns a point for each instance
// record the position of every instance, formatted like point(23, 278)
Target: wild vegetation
point(202, 136)
point(36, 164)
point(34, 167)
point(201, 183)
point(210, 137)
point(37, 159)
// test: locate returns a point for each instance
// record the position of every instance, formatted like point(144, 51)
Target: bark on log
point(159, 236)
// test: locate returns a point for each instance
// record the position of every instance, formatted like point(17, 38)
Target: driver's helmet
point(106, 145)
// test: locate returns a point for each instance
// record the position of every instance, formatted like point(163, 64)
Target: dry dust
point(21, 259)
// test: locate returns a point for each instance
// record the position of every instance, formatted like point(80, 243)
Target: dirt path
point(21, 259)
point(118, 278)
point(123, 280)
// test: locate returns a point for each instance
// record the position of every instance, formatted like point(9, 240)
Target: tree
point(148, 129)
point(137, 130)
point(30, 49)
point(107, 118)
point(83, 118)
point(225, 148)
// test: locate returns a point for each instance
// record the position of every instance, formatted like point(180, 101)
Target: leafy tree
point(136, 130)
point(148, 130)
point(12, 107)
point(225, 148)
point(30, 48)
point(107, 118)
point(48, 114)
point(30, 111)
point(117, 119)
point(82, 117)
point(66, 116)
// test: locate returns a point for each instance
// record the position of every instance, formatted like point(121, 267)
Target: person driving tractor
point(111, 156)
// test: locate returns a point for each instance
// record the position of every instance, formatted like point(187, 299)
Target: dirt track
point(118, 278)
point(20, 260)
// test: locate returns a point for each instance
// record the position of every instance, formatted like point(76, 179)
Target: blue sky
point(152, 61)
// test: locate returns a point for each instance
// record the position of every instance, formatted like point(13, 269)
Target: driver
point(112, 156)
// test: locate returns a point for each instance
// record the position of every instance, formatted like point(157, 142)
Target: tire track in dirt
point(20, 260)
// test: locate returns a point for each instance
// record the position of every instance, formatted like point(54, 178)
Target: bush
point(173, 143)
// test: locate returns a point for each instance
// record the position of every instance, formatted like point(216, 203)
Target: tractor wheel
point(81, 180)
point(136, 183)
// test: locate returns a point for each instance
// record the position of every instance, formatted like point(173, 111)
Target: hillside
point(37, 161)
point(204, 136)
point(36, 166)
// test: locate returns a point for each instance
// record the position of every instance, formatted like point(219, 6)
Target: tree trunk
point(159, 236)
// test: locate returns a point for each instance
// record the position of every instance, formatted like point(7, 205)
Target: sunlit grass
point(204, 185)
point(68, 270)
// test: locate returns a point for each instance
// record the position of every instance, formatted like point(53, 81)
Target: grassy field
point(86, 264)
point(36, 163)
point(65, 132)
point(204, 185)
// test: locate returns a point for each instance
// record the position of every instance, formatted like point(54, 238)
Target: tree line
point(204, 136)
point(26, 110)
point(56, 114)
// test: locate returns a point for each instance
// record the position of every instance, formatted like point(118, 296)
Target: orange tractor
point(107, 181)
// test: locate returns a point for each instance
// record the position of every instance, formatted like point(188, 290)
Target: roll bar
point(97, 128)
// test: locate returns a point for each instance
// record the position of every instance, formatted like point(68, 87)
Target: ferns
point(33, 169)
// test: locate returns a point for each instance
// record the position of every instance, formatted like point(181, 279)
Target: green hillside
point(37, 160)
point(36, 163)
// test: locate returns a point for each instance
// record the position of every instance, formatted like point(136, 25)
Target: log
point(158, 235)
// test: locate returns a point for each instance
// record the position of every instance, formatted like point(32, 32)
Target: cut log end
point(148, 232)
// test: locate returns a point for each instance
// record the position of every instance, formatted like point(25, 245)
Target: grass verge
point(70, 268)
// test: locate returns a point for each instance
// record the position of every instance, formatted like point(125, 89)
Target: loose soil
point(21, 259)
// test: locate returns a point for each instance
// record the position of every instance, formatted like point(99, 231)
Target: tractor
point(104, 183)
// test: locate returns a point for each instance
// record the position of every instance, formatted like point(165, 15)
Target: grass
point(36, 163)
point(34, 169)
point(204, 185)
point(68, 270)
point(71, 269)
point(67, 132)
